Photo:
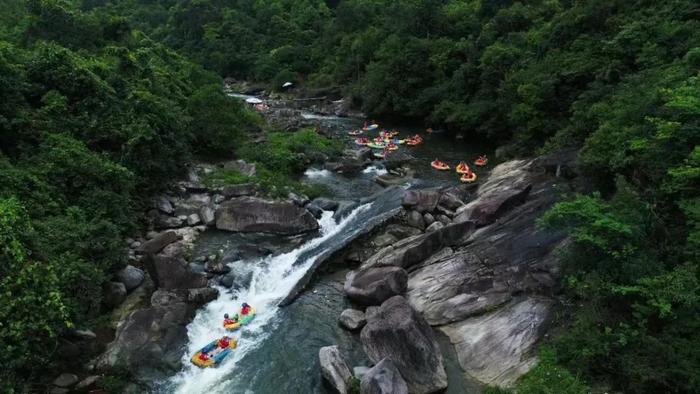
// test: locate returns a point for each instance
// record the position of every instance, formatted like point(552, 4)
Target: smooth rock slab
point(334, 369)
point(383, 378)
point(398, 332)
point(352, 319)
point(497, 348)
point(455, 287)
point(508, 185)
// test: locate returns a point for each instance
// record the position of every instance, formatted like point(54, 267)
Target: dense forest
point(101, 101)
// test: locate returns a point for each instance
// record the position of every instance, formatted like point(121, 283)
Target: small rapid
point(272, 278)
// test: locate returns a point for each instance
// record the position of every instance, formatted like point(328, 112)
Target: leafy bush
point(549, 378)
point(219, 123)
point(289, 153)
point(223, 177)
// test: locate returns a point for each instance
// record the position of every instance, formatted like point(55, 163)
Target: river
point(278, 351)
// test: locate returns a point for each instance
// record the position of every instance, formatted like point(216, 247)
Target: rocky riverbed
point(436, 285)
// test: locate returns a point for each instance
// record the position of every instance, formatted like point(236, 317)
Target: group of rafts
point(388, 141)
point(216, 351)
point(467, 175)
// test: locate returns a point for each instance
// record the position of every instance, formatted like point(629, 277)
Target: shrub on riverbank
point(280, 160)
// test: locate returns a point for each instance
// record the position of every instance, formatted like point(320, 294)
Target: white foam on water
point(309, 115)
point(315, 173)
point(272, 279)
point(375, 170)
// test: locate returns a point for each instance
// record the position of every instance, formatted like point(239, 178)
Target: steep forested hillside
point(94, 116)
point(98, 101)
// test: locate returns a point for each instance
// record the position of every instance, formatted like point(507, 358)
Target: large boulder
point(421, 200)
point(173, 272)
point(507, 336)
point(158, 242)
point(130, 276)
point(508, 185)
point(374, 285)
point(150, 341)
point(250, 214)
point(396, 331)
point(352, 319)
point(383, 378)
point(334, 369)
point(397, 159)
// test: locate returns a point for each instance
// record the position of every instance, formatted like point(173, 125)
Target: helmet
point(225, 315)
point(244, 305)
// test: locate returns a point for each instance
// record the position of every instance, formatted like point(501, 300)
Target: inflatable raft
point(361, 141)
point(438, 165)
point(462, 168)
point(371, 127)
point(481, 161)
point(355, 132)
point(214, 354)
point(468, 178)
point(242, 320)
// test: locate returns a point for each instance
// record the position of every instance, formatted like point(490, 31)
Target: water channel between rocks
point(278, 351)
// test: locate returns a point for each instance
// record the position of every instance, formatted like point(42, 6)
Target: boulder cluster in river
point(151, 332)
point(469, 261)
